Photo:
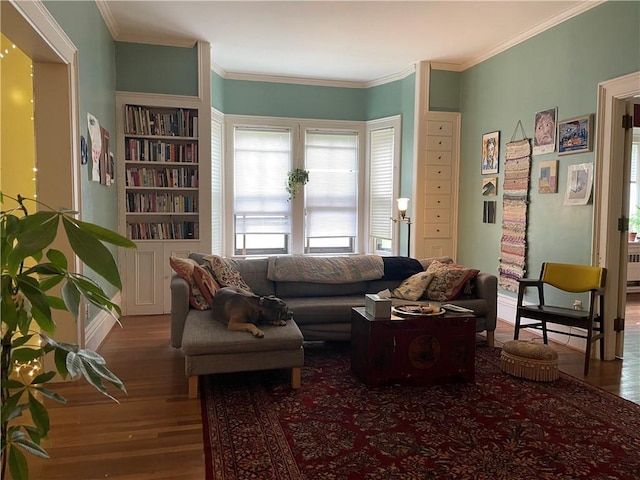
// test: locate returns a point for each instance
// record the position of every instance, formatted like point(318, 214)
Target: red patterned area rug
point(334, 427)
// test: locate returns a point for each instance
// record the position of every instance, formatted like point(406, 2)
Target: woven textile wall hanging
point(515, 200)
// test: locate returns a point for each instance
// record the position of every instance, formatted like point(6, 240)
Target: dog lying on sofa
point(241, 311)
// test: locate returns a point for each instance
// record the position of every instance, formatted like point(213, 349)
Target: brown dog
point(241, 311)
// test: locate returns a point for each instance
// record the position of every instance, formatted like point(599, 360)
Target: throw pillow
point(225, 274)
point(184, 267)
point(206, 283)
point(448, 280)
point(413, 287)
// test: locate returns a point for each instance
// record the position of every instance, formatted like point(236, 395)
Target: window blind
point(331, 196)
point(216, 187)
point(381, 182)
point(261, 161)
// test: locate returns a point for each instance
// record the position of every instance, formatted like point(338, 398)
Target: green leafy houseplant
point(28, 323)
point(295, 179)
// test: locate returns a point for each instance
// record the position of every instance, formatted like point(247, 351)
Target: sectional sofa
point(321, 298)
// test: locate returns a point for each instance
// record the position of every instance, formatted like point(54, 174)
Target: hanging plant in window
point(296, 179)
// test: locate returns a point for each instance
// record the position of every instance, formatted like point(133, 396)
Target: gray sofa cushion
point(319, 310)
point(205, 336)
point(254, 272)
point(307, 289)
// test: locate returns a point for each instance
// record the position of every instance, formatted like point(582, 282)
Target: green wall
point(270, 99)
point(444, 91)
point(558, 68)
point(156, 69)
point(96, 87)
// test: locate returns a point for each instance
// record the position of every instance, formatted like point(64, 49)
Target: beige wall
point(17, 150)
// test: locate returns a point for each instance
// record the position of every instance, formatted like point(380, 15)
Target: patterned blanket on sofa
point(298, 268)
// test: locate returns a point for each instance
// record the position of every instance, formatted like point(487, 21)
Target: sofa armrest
point(179, 308)
point(487, 289)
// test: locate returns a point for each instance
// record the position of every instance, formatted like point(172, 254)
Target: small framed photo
point(489, 186)
point(548, 178)
point(490, 152)
point(544, 137)
point(579, 183)
point(575, 135)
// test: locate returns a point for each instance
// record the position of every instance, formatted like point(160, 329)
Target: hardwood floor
point(156, 433)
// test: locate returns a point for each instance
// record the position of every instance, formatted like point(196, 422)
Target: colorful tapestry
point(515, 200)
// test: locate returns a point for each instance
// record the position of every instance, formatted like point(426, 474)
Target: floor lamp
point(403, 205)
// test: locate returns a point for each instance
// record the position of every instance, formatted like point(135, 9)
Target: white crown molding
point(317, 82)
point(532, 32)
point(107, 16)
point(392, 78)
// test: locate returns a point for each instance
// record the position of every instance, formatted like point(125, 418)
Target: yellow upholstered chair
point(569, 278)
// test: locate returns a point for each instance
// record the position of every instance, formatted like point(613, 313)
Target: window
point(384, 157)
point(262, 216)
point(327, 216)
point(216, 183)
point(331, 196)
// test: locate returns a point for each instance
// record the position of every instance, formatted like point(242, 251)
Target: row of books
point(163, 231)
point(144, 150)
point(144, 121)
point(162, 177)
point(161, 203)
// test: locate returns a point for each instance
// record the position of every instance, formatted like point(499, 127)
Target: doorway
point(30, 26)
point(611, 197)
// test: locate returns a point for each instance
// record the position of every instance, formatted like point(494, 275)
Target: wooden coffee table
point(414, 351)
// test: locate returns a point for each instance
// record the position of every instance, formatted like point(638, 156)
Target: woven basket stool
point(533, 361)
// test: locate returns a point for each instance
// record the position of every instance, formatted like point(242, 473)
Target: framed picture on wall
point(548, 178)
point(575, 135)
point(544, 137)
point(489, 186)
point(490, 152)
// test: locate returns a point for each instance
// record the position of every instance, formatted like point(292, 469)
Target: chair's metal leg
point(545, 338)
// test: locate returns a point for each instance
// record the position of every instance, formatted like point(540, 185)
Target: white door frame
point(609, 245)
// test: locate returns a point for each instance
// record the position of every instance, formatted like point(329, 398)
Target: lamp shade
point(403, 204)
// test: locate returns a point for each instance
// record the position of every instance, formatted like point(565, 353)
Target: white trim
point(47, 28)
point(100, 326)
point(317, 82)
point(532, 32)
point(158, 99)
point(392, 78)
point(606, 247)
point(107, 16)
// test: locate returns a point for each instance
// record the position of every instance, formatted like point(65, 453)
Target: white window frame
point(298, 128)
point(394, 122)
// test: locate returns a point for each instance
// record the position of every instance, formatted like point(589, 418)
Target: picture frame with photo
point(579, 184)
point(489, 186)
point(575, 135)
point(490, 153)
point(544, 136)
point(548, 177)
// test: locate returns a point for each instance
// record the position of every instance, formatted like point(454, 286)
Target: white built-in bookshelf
point(161, 173)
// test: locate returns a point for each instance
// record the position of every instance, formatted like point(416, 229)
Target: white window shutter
point(381, 202)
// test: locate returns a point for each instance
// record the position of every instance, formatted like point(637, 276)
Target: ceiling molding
point(107, 16)
point(392, 78)
point(316, 82)
point(550, 23)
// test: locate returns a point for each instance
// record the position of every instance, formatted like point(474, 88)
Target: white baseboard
point(507, 312)
point(100, 326)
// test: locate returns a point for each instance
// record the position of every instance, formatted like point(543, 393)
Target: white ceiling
point(353, 41)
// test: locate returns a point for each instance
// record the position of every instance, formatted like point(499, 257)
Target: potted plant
point(634, 225)
point(295, 179)
point(28, 323)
